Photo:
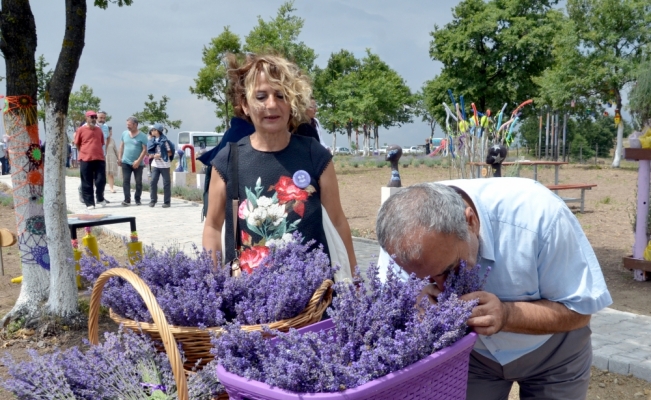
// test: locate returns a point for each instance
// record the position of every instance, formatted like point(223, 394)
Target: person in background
point(68, 154)
point(160, 152)
point(89, 139)
point(7, 165)
point(132, 153)
point(311, 114)
point(101, 123)
point(428, 148)
point(111, 160)
point(3, 158)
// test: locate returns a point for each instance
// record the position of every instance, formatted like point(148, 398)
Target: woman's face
point(154, 133)
point(269, 111)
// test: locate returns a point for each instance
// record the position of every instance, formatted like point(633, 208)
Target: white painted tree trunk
point(27, 203)
point(63, 284)
point(620, 145)
point(334, 141)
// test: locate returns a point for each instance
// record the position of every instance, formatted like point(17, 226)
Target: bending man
point(544, 284)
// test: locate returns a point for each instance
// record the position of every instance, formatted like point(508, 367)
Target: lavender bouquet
point(192, 292)
point(125, 366)
point(378, 329)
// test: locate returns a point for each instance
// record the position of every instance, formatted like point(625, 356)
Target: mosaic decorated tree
point(39, 193)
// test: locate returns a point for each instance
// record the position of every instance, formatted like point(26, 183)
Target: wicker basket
point(442, 376)
point(163, 331)
point(195, 342)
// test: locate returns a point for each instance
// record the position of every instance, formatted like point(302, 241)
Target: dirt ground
point(607, 221)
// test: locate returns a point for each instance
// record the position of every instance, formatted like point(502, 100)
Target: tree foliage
point(212, 80)
point(639, 100)
point(365, 94)
point(80, 102)
point(156, 112)
point(491, 51)
point(597, 54)
point(281, 35)
point(278, 35)
point(43, 76)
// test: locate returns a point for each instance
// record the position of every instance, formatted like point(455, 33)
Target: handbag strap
point(235, 195)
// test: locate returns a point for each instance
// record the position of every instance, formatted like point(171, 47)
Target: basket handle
point(157, 314)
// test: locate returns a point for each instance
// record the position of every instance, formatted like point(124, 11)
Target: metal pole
point(564, 133)
point(547, 137)
point(558, 136)
point(539, 135)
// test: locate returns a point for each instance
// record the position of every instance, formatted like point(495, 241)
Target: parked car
point(414, 150)
point(342, 151)
point(371, 150)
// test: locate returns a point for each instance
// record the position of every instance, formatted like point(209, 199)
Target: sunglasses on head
point(93, 117)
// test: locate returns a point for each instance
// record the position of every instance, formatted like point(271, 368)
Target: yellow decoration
point(463, 126)
point(90, 241)
point(647, 252)
point(134, 251)
point(17, 279)
point(76, 254)
point(645, 138)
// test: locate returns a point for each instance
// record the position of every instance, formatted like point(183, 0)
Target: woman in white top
point(111, 160)
point(160, 152)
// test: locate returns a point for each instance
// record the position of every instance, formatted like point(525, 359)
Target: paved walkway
point(621, 341)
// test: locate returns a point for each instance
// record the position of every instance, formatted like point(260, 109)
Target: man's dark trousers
point(127, 169)
point(92, 171)
point(167, 187)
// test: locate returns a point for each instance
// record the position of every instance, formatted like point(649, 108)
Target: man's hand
point(489, 316)
point(136, 163)
point(119, 163)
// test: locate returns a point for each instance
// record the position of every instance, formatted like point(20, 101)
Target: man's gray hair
point(418, 209)
point(133, 119)
point(102, 112)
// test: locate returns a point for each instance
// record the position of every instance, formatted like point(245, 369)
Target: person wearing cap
point(160, 152)
point(89, 139)
point(132, 153)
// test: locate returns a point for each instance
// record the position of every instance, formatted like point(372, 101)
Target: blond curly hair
point(282, 75)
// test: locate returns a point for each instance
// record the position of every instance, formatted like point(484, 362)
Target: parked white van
point(209, 139)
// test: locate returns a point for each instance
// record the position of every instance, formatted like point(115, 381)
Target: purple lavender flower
point(378, 329)
point(126, 365)
point(192, 292)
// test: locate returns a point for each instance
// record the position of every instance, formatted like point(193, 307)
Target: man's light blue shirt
point(105, 131)
point(133, 147)
point(536, 250)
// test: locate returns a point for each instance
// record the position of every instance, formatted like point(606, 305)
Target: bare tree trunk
point(619, 147)
point(63, 293)
point(18, 46)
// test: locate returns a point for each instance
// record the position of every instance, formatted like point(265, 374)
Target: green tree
point(364, 94)
point(330, 91)
point(212, 80)
point(639, 100)
point(43, 78)
point(425, 110)
point(80, 102)
point(491, 51)
point(155, 112)
point(597, 54)
point(281, 35)
point(379, 97)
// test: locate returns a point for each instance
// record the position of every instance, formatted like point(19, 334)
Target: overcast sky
point(154, 46)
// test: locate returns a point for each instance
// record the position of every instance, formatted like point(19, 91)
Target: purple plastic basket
point(441, 376)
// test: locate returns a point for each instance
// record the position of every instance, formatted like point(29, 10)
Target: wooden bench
point(570, 186)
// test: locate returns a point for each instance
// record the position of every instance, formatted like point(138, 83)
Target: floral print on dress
point(267, 217)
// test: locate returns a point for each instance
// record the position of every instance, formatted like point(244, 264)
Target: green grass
point(606, 200)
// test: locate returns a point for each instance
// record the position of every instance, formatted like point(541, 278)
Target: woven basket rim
point(313, 307)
